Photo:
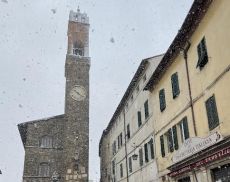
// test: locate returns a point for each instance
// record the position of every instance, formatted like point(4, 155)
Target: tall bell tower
point(77, 97)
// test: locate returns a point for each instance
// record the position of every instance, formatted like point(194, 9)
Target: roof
point(191, 22)
point(22, 127)
point(140, 71)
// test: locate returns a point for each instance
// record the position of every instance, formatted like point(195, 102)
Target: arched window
point(78, 49)
point(44, 170)
point(46, 142)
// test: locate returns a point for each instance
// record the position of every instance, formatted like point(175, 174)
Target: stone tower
point(77, 93)
point(57, 148)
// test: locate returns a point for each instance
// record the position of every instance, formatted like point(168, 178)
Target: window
point(202, 54)
point(130, 165)
point(141, 157)
point(213, 118)
point(175, 85)
point(113, 167)
point(119, 140)
point(114, 148)
point(144, 78)
point(162, 100)
point(184, 129)
point(162, 146)
point(128, 131)
point(151, 148)
point(146, 153)
point(172, 139)
point(139, 118)
point(46, 142)
point(44, 170)
point(175, 139)
point(121, 170)
point(146, 107)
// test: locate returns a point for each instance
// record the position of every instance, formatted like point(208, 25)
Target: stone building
point(56, 148)
point(126, 148)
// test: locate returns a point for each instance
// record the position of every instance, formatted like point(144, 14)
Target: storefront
point(209, 165)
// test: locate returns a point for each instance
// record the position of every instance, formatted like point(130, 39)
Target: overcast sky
point(33, 42)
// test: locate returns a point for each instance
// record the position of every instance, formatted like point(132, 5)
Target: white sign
point(193, 145)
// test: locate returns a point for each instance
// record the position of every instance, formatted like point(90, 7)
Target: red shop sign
point(216, 156)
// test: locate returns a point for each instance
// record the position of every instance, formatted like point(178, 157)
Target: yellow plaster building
point(190, 97)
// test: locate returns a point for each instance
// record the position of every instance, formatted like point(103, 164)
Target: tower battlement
point(78, 16)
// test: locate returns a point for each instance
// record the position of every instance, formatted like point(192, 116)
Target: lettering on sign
point(193, 145)
point(216, 156)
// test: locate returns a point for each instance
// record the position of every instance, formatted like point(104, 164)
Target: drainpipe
point(126, 154)
point(185, 51)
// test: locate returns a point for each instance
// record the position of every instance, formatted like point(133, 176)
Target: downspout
point(126, 154)
point(185, 51)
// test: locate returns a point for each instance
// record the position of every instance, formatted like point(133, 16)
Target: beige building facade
point(127, 148)
point(188, 100)
point(190, 88)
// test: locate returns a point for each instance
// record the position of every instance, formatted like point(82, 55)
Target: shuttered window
point(146, 107)
point(130, 165)
point(151, 148)
point(213, 118)
point(170, 140)
point(113, 167)
point(141, 157)
point(139, 118)
point(202, 54)
point(146, 153)
point(128, 131)
point(162, 100)
point(121, 170)
point(118, 141)
point(162, 146)
point(175, 139)
point(186, 130)
point(121, 142)
point(175, 85)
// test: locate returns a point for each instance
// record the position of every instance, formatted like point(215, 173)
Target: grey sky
point(33, 42)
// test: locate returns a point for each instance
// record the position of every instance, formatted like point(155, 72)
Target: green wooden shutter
point(186, 129)
point(146, 153)
point(162, 146)
point(113, 166)
point(128, 131)
point(175, 85)
point(146, 106)
point(202, 54)
point(139, 118)
point(175, 139)
point(121, 170)
point(162, 99)
point(141, 157)
point(118, 141)
point(151, 148)
point(213, 118)
point(130, 165)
